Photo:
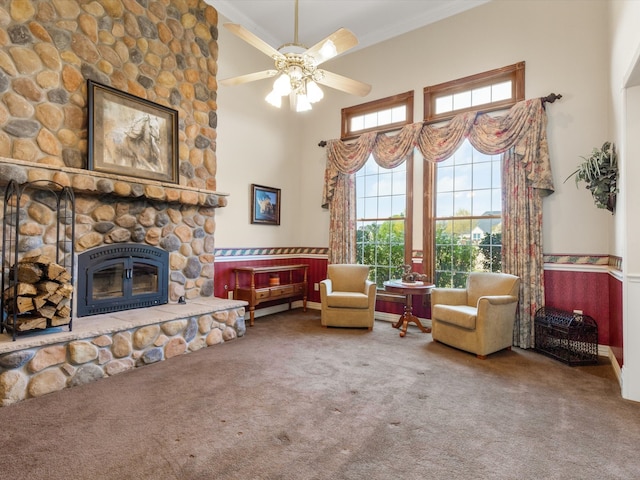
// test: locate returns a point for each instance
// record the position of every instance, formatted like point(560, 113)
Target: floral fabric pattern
point(521, 133)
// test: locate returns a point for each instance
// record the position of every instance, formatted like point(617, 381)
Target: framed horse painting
point(265, 205)
point(131, 136)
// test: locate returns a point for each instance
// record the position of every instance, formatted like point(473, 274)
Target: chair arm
point(448, 296)
point(369, 286)
point(498, 299)
point(326, 287)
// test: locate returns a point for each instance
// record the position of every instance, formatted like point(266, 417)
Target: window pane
point(371, 207)
point(444, 104)
point(462, 177)
point(384, 207)
point(481, 96)
point(384, 183)
point(384, 117)
point(462, 100)
point(370, 186)
point(462, 203)
point(481, 175)
point(444, 204)
point(370, 120)
point(445, 179)
point(357, 123)
point(399, 186)
point(399, 114)
point(398, 205)
point(481, 202)
point(501, 91)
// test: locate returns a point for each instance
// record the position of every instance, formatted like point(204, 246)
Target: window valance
point(523, 127)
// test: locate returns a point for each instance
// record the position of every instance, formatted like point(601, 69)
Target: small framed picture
point(265, 205)
point(131, 136)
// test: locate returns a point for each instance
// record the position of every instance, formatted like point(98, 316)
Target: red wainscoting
point(597, 294)
point(586, 291)
point(225, 281)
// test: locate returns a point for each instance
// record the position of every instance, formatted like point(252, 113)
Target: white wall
point(625, 100)
point(564, 44)
point(257, 144)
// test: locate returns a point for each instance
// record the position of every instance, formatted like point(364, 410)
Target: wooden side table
point(408, 290)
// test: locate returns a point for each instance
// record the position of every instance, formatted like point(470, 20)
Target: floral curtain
point(526, 176)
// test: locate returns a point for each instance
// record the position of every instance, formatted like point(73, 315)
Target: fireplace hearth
point(120, 277)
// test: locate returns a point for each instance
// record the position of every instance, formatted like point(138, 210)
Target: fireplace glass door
point(121, 277)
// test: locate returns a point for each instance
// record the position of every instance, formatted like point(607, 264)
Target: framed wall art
point(265, 205)
point(131, 136)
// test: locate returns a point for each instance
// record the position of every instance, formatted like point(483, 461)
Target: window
point(463, 194)
point(383, 196)
point(384, 115)
point(494, 90)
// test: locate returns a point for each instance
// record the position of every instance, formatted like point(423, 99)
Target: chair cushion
point(480, 284)
point(347, 300)
point(461, 315)
point(348, 277)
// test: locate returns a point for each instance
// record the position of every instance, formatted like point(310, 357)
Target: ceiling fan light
point(282, 85)
point(274, 98)
point(302, 103)
point(328, 49)
point(314, 92)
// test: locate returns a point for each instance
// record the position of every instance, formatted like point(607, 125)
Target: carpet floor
point(293, 400)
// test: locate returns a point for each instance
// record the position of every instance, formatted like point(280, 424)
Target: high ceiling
point(372, 21)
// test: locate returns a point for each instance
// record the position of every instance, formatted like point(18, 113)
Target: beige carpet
point(292, 400)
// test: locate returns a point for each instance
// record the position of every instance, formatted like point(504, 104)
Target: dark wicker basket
point(569, 337)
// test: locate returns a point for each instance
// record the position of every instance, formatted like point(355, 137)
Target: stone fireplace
point(163, 52)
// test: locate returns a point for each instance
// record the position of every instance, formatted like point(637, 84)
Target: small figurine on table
point(411, 277)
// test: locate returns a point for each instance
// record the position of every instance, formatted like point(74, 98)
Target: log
point(65, 290)
point(22, 289)
point(57, 321)
point(25, 323)
point(23, 304)
point(64, 311)
point(54, 271)
point(42, 296)
point(48, 311)
point(40, 258)
point(29, 272)
point(48, 286)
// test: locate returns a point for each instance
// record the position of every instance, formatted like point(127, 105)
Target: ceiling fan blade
point(249, 77)
point(338, 42)
point(253, 40)
point(354, 87)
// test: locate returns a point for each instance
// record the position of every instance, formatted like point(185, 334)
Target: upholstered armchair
point(348, 297)
point(479, 318)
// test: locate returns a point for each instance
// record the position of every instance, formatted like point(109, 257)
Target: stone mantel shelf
point(99, 183)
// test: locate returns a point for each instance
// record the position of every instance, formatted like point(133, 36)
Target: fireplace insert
point(121, 277)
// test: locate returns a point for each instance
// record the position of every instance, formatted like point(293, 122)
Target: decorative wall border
point(250, 252)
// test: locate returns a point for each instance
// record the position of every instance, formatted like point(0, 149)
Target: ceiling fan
point(296, 67)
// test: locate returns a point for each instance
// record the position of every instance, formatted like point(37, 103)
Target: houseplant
point(599, 171)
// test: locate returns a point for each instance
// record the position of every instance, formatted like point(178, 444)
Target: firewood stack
point(42, 295)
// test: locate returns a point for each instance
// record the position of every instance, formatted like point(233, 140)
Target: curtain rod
point(552, 97)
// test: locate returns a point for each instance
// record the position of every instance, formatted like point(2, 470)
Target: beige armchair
point(347, 297)
point(479, 318)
